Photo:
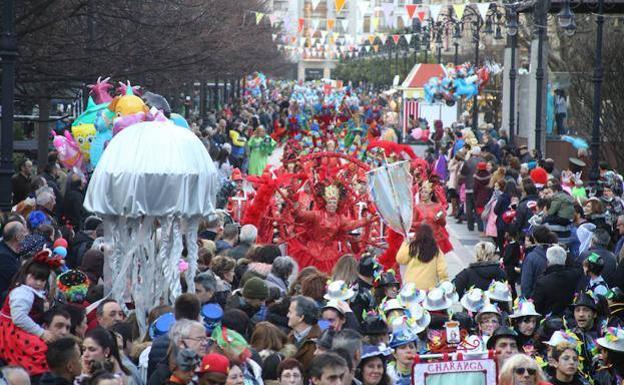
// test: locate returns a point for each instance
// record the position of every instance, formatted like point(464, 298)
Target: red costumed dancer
point(21, 336)
point(432, 213)
point(326, 233)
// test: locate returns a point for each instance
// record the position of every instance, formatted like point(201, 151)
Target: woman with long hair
point(422, 262)
point(100, 347)
point(345, 269)
point(270, 343)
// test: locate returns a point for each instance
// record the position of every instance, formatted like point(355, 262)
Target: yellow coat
point(423, 275)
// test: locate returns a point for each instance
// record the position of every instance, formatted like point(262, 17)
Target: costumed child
point(22, 339)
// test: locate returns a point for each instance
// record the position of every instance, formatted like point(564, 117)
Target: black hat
point(502, 331)
point(585, 299)
point(374, 325)
point(91, 223)
point(367, 266)
point(549, 326)
point(388, 279)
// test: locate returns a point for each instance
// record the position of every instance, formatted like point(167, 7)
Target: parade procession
point(311, 192)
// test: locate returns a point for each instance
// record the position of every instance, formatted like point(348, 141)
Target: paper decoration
point(383, 38)
point(323, 34)
point(315, 24)
point(421, 15)
point(395, 39)
point(435, 11)
point(274, 36)
point(375, 48)
point(407, 21)
point(367, 48)
point(315, 4)
point(301, 24)
point(374, 23)
point(411, 10)
point(408, 38)
point(345, 24)
point(259, 16)
point(339, 5)
point(387, 9)
point(483, 9)
point(331, 23)
point(371, 39)
point(459, 10)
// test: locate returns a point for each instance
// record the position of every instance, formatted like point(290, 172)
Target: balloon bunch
point(255, 84)
point(463, 81)
point(105, 116)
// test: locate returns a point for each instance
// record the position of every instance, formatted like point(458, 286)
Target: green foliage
point(378, 71)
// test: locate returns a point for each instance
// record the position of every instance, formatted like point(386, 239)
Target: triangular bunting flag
point(315, 4)
point(339, 5)
point(315, 24)
point(374, 22)
point(274, 36)
point(259, 16)
point(301, 24)
point(407, 21)
point(383, 38)
point(363, 6)
point(376, 48)
point(421, 15)
point(367, 48)
point(323, 34)
point(345, 24)
point(410, 9)
point(371, 39)
point(408, 38)
point(387, 9)
point(459, 10)
point(395, 39)
point(483, 9)
point(435, 11)
point(331, 23)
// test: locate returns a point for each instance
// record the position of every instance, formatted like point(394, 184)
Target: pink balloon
point(417, 133)
point(68, 151)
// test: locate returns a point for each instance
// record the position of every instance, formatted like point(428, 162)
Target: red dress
point(322, 239)
point(426, 212)
point(18, 347)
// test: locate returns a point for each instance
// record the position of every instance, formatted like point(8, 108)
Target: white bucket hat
point(499, 291)
point(613, 339)
point(339, 290)
point(437, 300)
point(525, 309)
point(449, 291)
point(473, 300)
point(411, 294)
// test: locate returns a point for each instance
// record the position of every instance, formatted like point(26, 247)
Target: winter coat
point(524, 213)
point(502, 205)
point(52, 379)
point(478, 274)
point(562, 205)
point(482, 190)
point(554, 290)
point(469, 170)
point(424, 275)
point(454, 168)
point(533, 266)
point(306, 347)
point(274, 280)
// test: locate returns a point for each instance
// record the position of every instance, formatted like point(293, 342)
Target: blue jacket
point(533, 266)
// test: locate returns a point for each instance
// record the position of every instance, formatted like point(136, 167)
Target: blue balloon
point(60, 250)
point(179, 120)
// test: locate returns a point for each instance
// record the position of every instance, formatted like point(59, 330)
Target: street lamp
point(439, 42)
point(512, 32)
point(456, 41)
point(8, 54)
point(569, 26)
point(540, 16)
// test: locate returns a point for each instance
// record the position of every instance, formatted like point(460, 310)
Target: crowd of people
point(300, 281)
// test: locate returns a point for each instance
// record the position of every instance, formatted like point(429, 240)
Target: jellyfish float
point(152, 186)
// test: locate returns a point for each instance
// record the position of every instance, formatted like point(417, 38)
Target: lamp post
point(425, 43)
point(8, 54)
point(512, 32)
point(439, 42)
point(456, 41)
point(566, 21)
point(540, 16)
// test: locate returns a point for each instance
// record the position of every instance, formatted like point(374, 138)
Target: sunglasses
point(521, 371)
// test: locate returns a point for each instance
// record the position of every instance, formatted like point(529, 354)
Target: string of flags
point(331, 37)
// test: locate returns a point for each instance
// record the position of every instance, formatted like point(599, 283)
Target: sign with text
point(465, 372)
